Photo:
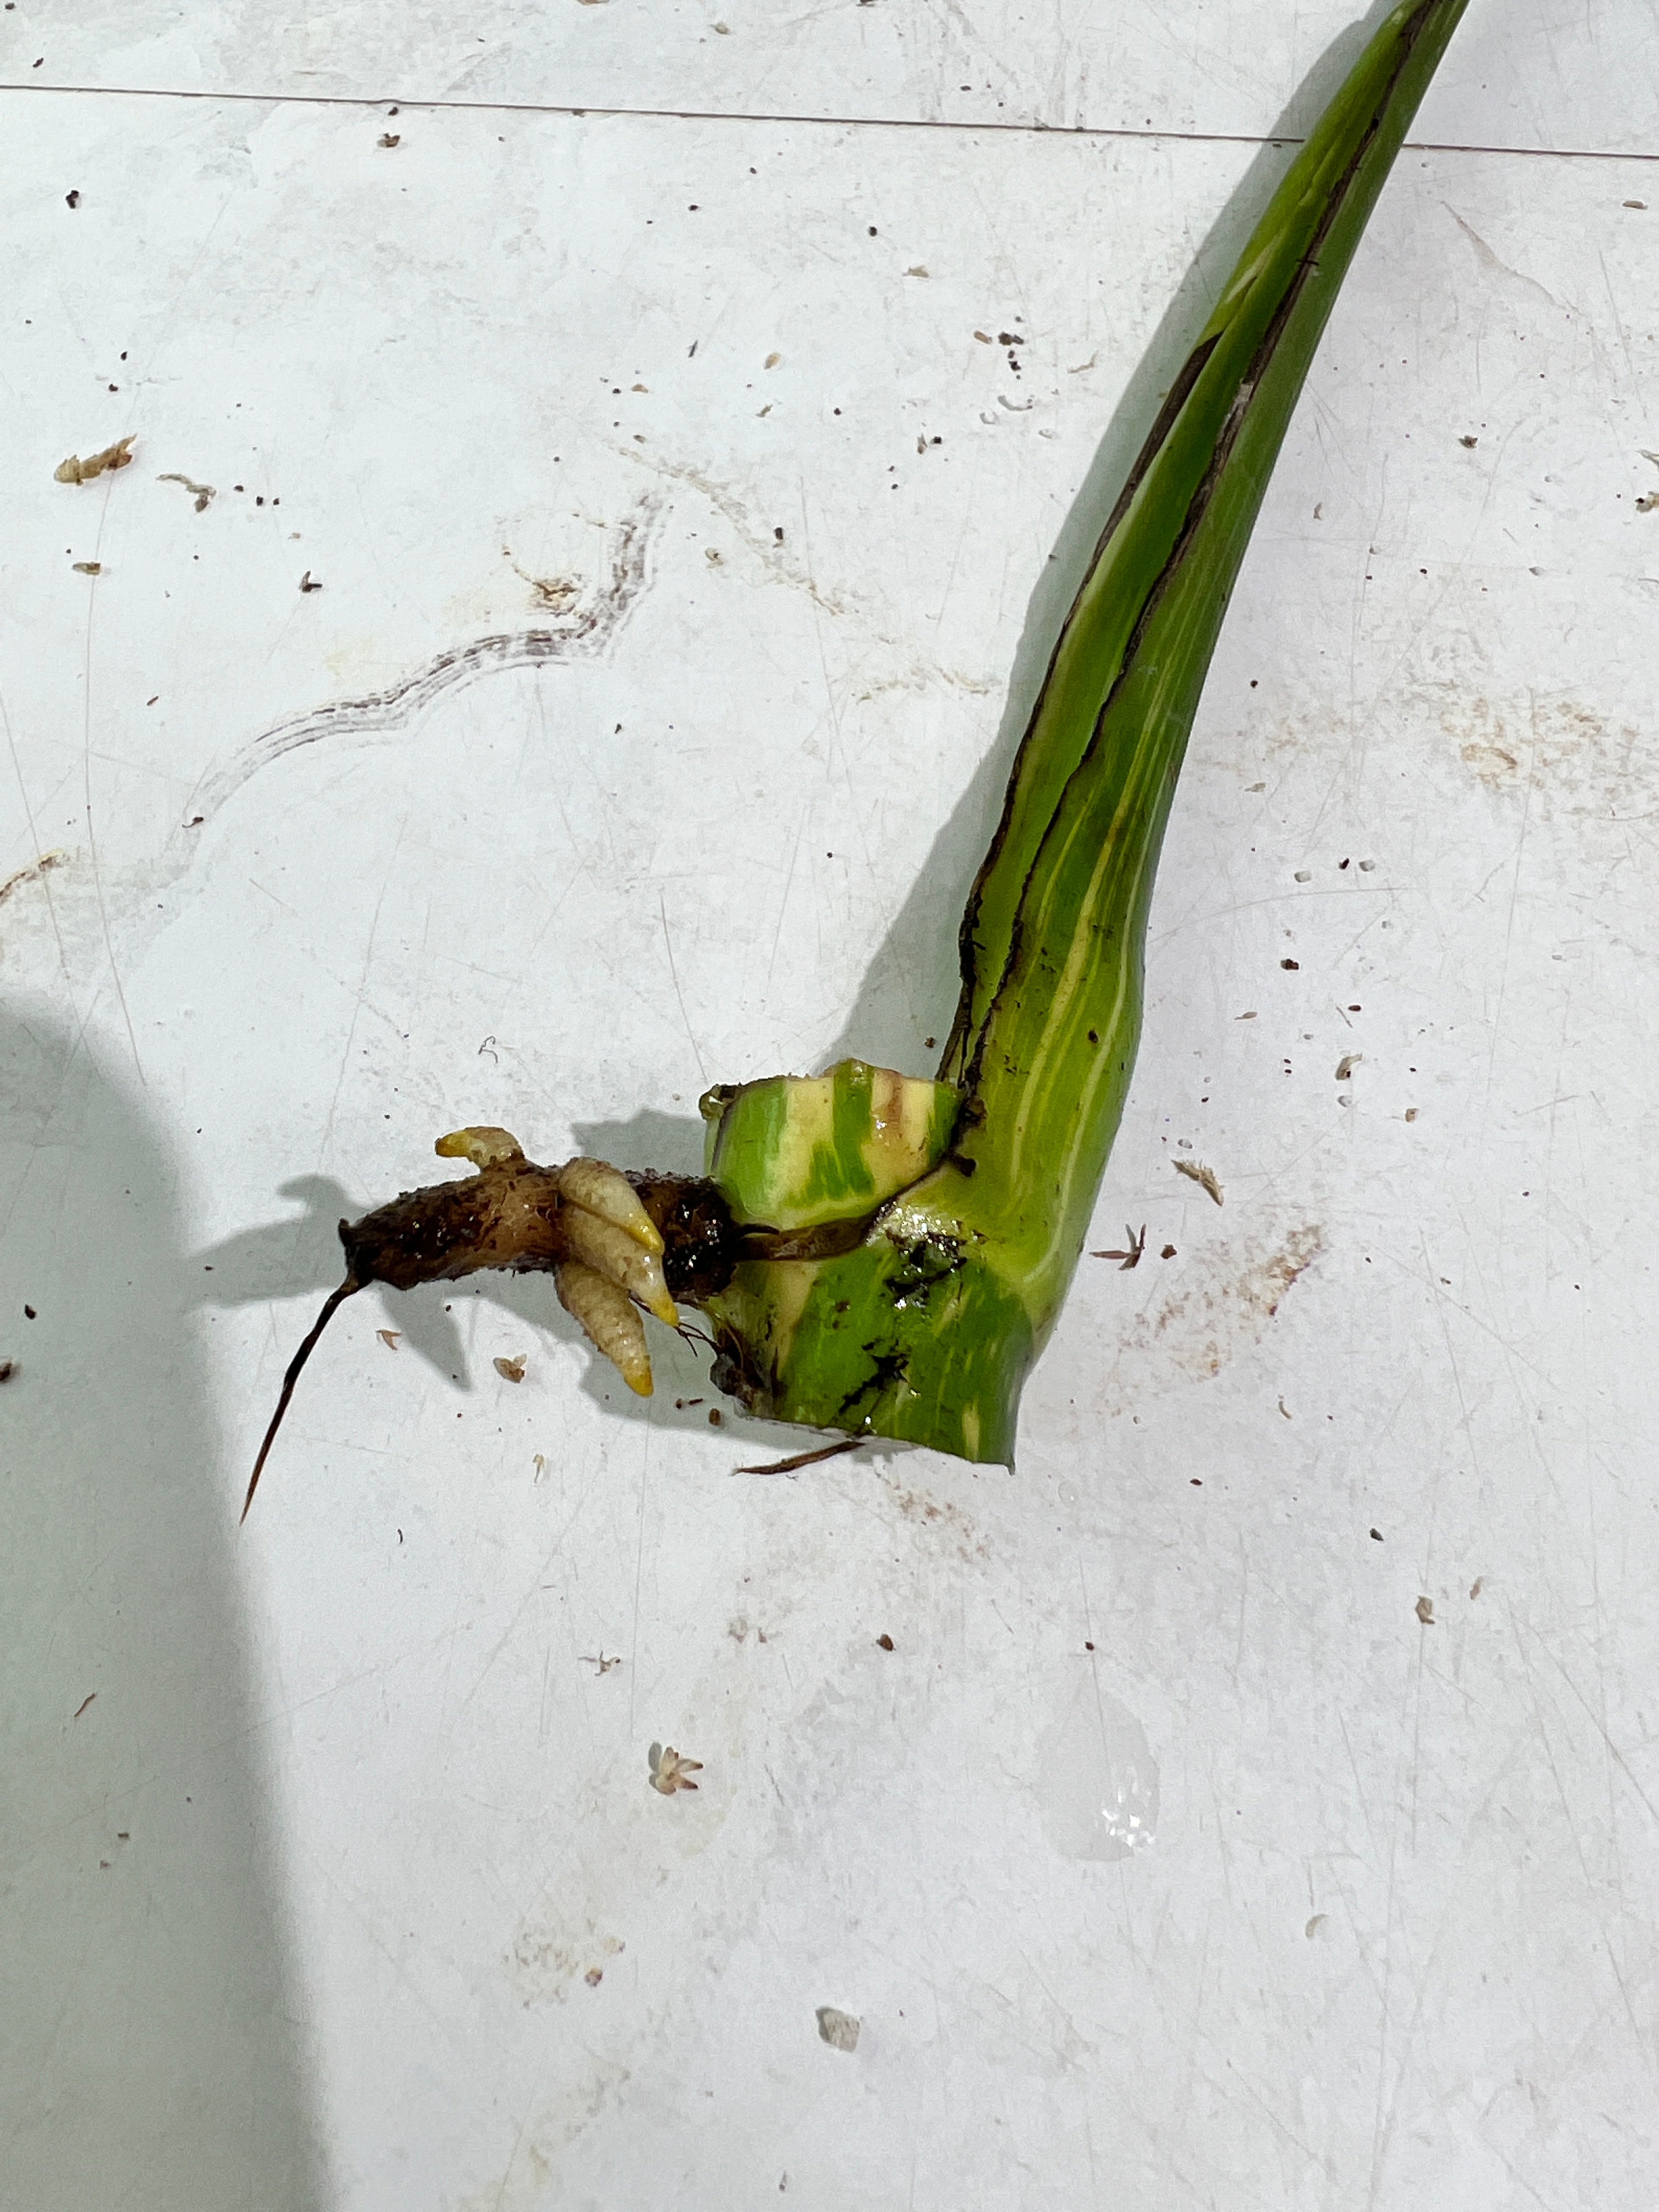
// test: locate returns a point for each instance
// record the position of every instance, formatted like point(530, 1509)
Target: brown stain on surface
point(1573, 760)
point(1191, 1334)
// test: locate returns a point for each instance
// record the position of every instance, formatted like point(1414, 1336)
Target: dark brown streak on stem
point(1175, 400)
point(1248, 384)
point(335, 1299)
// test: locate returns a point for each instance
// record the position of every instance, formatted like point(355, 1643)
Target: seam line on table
point(414, 103)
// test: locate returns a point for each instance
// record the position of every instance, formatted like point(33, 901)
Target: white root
point(612, 1252)
point(605, 1191)
point(484, 1147)
point(607, 1315)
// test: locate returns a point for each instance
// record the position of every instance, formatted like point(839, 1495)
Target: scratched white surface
point(1529, 73)
point(1169, 1858)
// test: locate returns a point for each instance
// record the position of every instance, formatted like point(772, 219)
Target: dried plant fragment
point(200, 493)
point(389, 1337)
point(1346, 1064)
point(87, 568)
point(76, 471)
point(1425, 1611)
point(1132, 1256)
point(670, 1772)
point(511, 1371)
point(1203, 1177)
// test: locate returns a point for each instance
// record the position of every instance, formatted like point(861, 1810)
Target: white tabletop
point(1257, 1807)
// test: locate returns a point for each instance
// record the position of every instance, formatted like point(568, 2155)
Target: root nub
point(608, 1317)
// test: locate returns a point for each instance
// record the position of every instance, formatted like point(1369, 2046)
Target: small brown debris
point(1133, 1256)
point(540, 1465)
point(33, 873)
point(84, 1703)
point(1203, 1177)
point(200, 493)
point(389, 1337)
point(76, 471)
point(1477, 1585)
point(670, 1772)
point(716, 1419)
point(1377, 1536)
point(1470, 442)
point(599, 1662)
point(1647, 503)
point(917, 271)
point(308, 582)
point(1249, 1017)
point(772, 360)
point(1411, 1113)
point(511, 1371)
point(1296, 964)
point(984, 337)
point(72, 200)
point(1425, 1611)
point(885, 1642)
point(593, 1976)
point(802, 1458)
point(840, 2030)
point(87, 568)
point(1346, 1064)
point(1168, 1253)
point(1007, 337)
point(389, 139)
point(8, 1368)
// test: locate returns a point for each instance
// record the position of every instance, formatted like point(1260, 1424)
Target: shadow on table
point(152, 2057)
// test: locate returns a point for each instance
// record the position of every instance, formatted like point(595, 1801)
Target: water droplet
point(1098, 1782)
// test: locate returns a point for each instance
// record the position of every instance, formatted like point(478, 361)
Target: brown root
point(336, 1300)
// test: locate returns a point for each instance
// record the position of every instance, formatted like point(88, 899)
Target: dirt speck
point(1425, 1611)
point(840, 2030)
point(511, 1371)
